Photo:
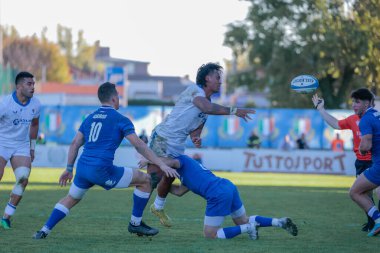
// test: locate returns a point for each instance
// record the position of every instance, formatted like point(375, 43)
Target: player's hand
point(32, 155)
point(143, 162)
point(197, 141)
point(169, 172)
point(66, 176)
point(318, 102)
point(244, 113)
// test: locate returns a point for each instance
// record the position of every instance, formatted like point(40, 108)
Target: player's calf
point(22, 174)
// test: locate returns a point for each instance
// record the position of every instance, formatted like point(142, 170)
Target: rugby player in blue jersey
point(369, 126)
point(222, 198)
point(101, 134)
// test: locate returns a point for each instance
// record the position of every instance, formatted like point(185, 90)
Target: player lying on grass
point(101, 134)
point(222, 198)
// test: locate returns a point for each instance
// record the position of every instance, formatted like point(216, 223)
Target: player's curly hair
point(20, 76)
point(204, 70)
point(106, 91)
point(363, 94)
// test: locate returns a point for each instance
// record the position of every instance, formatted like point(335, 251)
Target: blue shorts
point(106, 176)
point(373, 174)
point(223, 199)
point(361, 166)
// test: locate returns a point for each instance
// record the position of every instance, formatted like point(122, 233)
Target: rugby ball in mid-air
point(304, 84)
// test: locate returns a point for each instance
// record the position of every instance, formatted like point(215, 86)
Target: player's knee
point(354, 193)
point(147, 182)
point(77, 193)
point(22, 174)
point(210, 233)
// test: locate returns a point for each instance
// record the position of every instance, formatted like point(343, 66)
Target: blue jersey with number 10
point(103, 132)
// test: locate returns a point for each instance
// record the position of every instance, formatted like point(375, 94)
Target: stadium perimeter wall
point(235, 160)
point(60, 123)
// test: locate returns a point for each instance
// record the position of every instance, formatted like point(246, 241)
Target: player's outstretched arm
point(67, 175)
point(214, 109)
point(178, 190)
point(173, 163)
point(143, 149)
point(319, 104)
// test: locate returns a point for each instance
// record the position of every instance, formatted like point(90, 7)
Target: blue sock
point(230, 232)
point(59, 212)
point(263, 221)
point(140, 200)
point(374, 213)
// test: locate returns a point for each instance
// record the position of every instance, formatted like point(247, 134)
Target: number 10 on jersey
point(94, 132)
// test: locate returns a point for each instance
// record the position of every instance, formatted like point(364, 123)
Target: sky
point(175, 36)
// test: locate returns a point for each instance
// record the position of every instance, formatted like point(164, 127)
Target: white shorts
point(20, 150)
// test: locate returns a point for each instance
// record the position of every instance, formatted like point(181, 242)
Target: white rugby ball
point(304, 84)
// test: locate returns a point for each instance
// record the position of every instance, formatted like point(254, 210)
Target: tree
point(331, 39)
point(34, 55)
point(84, 56)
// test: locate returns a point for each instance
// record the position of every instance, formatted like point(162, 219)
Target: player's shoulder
point(35, 102)
point(6, 99)
point(353, 117)
point(193, 89)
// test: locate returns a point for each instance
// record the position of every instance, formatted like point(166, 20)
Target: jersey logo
point(21, 121)
point(109, 182)
point(201, 115)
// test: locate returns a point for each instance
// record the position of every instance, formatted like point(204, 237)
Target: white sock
point(252, 218)
point(135, 221)
point(245, 227)
point(220, 234)
point(159, 203)
point(45, 229)
point(275, 222)
point(10, 209)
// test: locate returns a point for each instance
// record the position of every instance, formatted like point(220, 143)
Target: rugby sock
point(10, 209)
point(140, 199)
point(159, 203)
point(231, 232)
point(263, 221)
point(374, 213)
point(59, 212)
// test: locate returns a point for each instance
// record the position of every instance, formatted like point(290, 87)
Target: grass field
point(327, 219)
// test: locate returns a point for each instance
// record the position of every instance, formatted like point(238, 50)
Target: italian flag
point(266, 126)
point(53, 121)
point(231, 125)
point(302, 125)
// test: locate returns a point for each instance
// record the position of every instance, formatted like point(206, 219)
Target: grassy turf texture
point(327, 219)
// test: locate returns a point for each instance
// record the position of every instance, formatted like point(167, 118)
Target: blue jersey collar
point(17, 101)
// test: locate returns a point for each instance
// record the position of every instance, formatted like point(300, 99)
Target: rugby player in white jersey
point(187, 118)
point(19, 121)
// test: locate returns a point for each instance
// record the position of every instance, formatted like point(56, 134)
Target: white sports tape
point(21, 174)
point(33, 144)
point(76, 192)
